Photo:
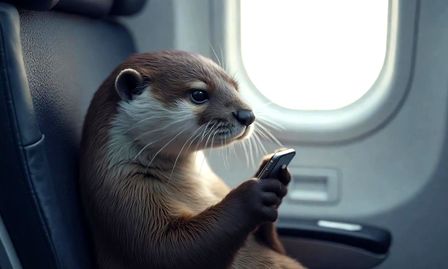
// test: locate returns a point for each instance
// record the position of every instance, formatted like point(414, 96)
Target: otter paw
point(260, 198)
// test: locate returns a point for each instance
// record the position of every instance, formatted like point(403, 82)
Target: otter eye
point(199, 96)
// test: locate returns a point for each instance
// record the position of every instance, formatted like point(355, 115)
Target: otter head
point(176, 101)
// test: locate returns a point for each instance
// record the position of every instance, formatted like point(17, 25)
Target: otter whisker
point(216, 55)
point(191, 142)
point(224, 151)
point(158, 116)
point(243, 144)
point(212, 144)
point(255, 151)
point(164, 146)
point(206, 142)
point(256, 146)
point(233, 149)
point(210, 134)
point(271, 124)
point(192, 137)
point(227, 148)
point(205, 129)
point(251, 153)
point(257, 137)
point(136, 125)
point(149, 132)
point(266, 137)
point(145, 147)
point(160, 129)
point(213, 137)
point(180, 152)
point(224, 64)
point(262, 147)
point(265, 118)
point(256, 142)
point(269, 134)
point(202, 163)
point(202, 138)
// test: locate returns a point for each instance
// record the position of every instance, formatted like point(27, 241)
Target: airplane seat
point(53, 56)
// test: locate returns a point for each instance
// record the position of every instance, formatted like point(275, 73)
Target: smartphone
point(278, 159)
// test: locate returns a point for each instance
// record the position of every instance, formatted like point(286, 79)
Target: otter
point(147, 203)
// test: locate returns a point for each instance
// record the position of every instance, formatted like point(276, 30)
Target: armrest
point(334, 244)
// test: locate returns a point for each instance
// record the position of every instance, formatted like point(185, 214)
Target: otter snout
point(245, 117)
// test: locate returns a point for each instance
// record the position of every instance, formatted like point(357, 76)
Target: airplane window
point(313, 54)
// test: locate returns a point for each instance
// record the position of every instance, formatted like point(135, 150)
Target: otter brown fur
point(147, 203)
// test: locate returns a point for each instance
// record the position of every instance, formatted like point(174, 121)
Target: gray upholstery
point(34, 4)
point(92, 8)
point(127, 7)
point(47, 78)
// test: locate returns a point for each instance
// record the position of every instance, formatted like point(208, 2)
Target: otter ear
point(129, 83)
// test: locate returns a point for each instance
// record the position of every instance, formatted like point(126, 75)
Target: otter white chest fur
point(147, 204)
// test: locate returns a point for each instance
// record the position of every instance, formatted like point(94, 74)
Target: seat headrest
point(94, 8)
point(34, 4)
point(126, 7)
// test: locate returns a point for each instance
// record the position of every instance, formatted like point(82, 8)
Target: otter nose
point(245, 117)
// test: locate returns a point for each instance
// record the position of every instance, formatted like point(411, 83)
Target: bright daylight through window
point(313, 54)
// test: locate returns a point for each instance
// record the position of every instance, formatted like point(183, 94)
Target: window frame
point(363, 117)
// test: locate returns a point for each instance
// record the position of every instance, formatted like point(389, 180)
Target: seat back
point(51, 63)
